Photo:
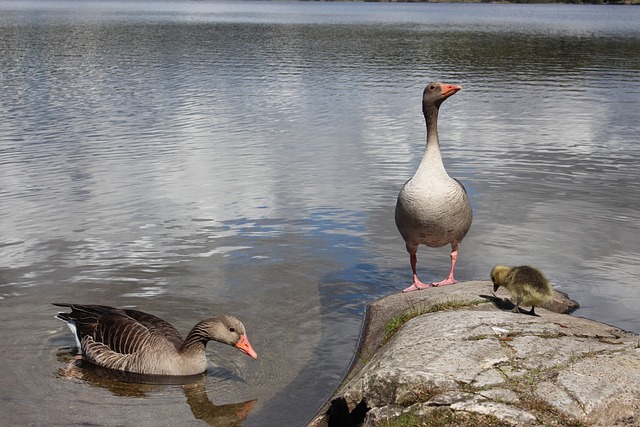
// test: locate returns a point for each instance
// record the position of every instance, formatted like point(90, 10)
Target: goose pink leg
point(450, 279)
point(417, 284)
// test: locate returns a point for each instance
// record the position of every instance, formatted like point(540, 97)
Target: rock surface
point(460, 359)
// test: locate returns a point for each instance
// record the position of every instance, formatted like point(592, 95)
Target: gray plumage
point(432, 208)
point(134, 341)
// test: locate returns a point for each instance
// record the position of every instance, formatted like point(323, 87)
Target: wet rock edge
point(527, 385)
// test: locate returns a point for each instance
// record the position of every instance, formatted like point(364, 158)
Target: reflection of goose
point(127, 384)
point(134, 341)
point(433, 208)
point(215, 415)
point(527, 285)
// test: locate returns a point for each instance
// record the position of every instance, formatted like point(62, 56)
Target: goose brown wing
point(156, 325)
point(86, 318)
point(121, 333)
point(119, 342)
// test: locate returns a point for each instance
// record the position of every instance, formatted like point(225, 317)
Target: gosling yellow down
point(527, 285)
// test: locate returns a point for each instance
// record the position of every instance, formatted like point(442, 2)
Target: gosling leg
point(516, 309)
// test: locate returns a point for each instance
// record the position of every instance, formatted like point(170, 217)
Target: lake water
point(195, 158)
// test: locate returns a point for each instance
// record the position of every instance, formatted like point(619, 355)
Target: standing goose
point(134, 341)
point(432, 208)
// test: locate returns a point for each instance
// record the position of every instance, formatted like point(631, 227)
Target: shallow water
point(198, 158)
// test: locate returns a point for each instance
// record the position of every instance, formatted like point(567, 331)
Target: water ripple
point(197, 158)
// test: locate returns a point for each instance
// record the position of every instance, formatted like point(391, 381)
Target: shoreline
point(384, 380)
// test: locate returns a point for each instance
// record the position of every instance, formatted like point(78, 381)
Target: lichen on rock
point(472, 363)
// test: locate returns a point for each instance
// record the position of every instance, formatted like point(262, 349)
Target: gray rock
point(500, 395)
point(474, 359)
point(506, 413)
point(606, 386)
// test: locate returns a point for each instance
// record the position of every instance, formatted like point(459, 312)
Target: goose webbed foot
point(416, 286)
point(447, 281)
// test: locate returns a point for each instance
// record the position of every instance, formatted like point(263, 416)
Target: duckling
point(527, 285)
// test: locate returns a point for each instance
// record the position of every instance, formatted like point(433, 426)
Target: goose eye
point(232, 329)
point(432, 87)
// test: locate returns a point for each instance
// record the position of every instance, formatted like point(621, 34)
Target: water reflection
point(128, 384)
point(197, 158)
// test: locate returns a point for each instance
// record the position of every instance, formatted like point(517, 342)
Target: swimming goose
point(527, 285)
point(134, 341)
point(432, 208)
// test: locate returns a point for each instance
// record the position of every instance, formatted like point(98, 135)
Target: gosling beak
point(244, 346)
point(448, 90)
point(495, 287)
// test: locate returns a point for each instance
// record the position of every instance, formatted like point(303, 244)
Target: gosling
point(527, 285)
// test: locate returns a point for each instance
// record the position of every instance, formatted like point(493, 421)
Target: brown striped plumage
point(134, 341)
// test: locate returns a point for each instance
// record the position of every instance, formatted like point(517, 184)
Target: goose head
point(227, 330)
point(435, 93)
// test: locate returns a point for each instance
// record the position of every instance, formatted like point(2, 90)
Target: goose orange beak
point(244, 346)
point(448, 90)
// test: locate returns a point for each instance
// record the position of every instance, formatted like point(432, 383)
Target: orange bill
point(244, 346)
point(448, 90)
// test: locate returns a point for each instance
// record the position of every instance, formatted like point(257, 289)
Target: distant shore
point(600, 2)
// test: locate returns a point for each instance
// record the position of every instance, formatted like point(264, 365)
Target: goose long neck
point(196, 341)
point(432, 159)
point(431, 119)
